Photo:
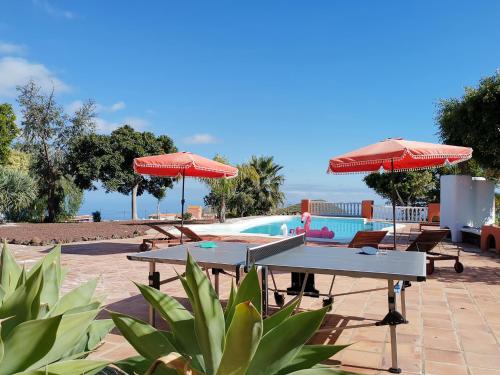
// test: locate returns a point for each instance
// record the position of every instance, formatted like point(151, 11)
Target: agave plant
point(42, 332)
point(215, 341)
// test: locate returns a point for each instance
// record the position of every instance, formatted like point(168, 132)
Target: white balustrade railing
point(407, 214)
point(335, 209)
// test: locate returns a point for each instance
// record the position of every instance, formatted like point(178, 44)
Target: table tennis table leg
point(154, 281)
point(403, 300)
point(216, 280)
point(263, 273)
point(391, 297)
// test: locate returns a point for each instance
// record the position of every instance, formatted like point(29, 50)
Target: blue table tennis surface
point(403, 265)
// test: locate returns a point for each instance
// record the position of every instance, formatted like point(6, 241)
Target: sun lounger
point(428, 224)
point(368, 238)
point(427, 241)
point(191, 235)
point(152, 243)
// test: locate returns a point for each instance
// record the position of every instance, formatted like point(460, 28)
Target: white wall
point(466, 200)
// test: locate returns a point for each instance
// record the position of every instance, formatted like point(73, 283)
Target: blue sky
point(302, 81)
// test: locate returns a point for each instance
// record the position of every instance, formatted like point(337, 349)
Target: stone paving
point(454, 318)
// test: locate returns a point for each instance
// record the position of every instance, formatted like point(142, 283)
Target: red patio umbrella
point(397, 154)
point(185, 164)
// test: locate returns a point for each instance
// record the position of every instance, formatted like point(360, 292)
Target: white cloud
point(53, 11)
point(200, 139)
point(137, 123)
point(117, 107)
point(77, 104)
point(11, 48)
point(73, 106)
point(16, 71)
point(104, 126)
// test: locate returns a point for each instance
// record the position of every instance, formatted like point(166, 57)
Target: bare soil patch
point(45, 234)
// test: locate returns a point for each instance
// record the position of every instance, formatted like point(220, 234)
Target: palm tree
point(18, 191)
point(268, 194)
point(242, 202)
point(231, 194)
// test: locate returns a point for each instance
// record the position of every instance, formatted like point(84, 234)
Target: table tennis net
point(257, 253)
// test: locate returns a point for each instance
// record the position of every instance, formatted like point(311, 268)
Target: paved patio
point(454, 318)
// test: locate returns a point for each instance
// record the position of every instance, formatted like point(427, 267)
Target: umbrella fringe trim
point(329, 171)
point(461, 158)
point(190, 165)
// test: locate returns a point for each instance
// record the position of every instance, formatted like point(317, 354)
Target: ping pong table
point(293, 255)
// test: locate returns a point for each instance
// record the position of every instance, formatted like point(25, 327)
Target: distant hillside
point(289, 210)
point(294, 208)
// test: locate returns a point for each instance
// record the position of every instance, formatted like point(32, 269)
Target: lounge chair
point(191, 235)
point(434, 222)
point(152, 243)
point(427, 241)
point(368, 238)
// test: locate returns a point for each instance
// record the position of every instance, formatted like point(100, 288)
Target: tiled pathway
point(454, 318)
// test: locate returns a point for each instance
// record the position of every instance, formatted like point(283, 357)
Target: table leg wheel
point(279, 299)
point(430, 268)
point(459, 267)
point(393, 370)
point(328, 301)
point(143, 247)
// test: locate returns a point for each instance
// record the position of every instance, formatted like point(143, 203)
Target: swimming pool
point(344, 228)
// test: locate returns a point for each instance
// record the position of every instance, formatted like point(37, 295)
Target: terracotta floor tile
point(438, 323)
point(476, 346)
point(437, 368)
point(483, 360)
point(481, 371)
point(361, 362)
point(444, 356)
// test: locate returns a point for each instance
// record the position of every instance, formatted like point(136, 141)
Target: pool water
point(344, 229)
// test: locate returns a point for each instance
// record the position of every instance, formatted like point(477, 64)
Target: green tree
point(18, 160)
point(221, 191)
point(109, 159)
point(267, 195)
point(8, 130)
point(242, 203)
point(18, 191)
point(233, 195)
point(411, 187)
point(474, 121)
point(256, 190)
point(47, 133)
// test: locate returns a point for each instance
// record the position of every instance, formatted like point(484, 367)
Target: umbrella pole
point(393, 205)
point(182, 202)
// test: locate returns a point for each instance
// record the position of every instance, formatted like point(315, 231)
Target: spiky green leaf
point(147, 340)
point(281, 344)
point(209, 322)
point(23, 304)
point(80, 296)
point(311, 355)
point(248, 290)
point(28, 343)
point(180, 321)
point(76, 367)
point(279, 317)
point(70, 332)
point(9, 270)
point(242, 340)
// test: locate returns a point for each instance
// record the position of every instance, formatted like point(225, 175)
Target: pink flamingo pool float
point(313, 233)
